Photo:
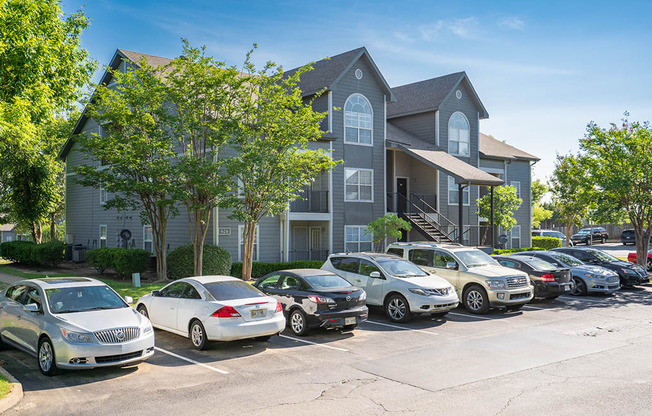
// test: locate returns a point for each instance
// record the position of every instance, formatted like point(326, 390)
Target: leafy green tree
point(42, 67)
point(273, 164)
point(539, 212)
point(570, 192)
point(389, 225)
point(506, 202)
point(618, 161)
point(134, 160)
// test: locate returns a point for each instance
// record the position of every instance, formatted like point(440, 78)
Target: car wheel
point(579, 287)
point(604, 240)
point(397, 308)
point(475, 299)
point(143, 311)
point(46, 361)
point(588, 242)
point(263, 339)
point(198, 335)
point(298, 322)
point(649, 265)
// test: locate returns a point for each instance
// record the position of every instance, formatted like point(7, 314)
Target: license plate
point(349, 321)
point(567, 288)
point(258, 313)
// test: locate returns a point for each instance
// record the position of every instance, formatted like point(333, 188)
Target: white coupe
point(213, 308)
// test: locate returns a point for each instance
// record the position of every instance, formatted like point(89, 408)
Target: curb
point(14, 396)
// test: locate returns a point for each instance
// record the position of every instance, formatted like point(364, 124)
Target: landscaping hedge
point(122, 260)
point(27, 252)
point(546, 243)
point(100, 259)
point(261, 269)
point(181, 260)
point(516, 250)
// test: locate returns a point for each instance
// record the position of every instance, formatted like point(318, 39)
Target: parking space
point(376, 363)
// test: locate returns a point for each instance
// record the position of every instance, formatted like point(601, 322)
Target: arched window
point(458, 135)
point(358, 120)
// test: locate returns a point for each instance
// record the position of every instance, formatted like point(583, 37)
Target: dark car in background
point(629, 273)
point(586, 278)
point(549, 281)
point(590, 236)
point(314, 298)
point(629, 237)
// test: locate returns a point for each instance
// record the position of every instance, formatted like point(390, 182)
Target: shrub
point(259, 269)
point(50, 254)
point(27, 252)
point(546, 242)
point(516, 250)
point(129, 261)
point(181, 261)
point(18, 251)
point(100, 259)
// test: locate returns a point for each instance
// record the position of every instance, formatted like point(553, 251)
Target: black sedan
point(590, 236)
point(549, 281)
point(629, 273)
point(314, 298)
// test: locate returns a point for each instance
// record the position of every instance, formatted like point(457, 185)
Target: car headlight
point(496, 284)
point(628, 271)
point(363, 296)
point(82, 337)
point(418, 291)
point(147, 328)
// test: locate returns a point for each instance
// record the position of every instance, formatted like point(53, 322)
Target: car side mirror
point(32, 307)
point(129, 299)
point(451, 265)
point(156, 293)
point(375, 275)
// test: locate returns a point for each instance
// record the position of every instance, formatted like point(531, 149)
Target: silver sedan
point(73, 323)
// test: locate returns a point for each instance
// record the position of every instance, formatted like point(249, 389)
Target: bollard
point(135, 279)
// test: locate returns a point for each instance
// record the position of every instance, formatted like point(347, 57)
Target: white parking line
point(313, 343)
point(470, 316)
point(401, 327)
point(217, 370)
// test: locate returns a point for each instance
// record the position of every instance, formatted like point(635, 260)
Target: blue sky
point(543, 69)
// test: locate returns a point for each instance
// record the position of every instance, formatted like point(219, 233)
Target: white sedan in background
point(213, 308)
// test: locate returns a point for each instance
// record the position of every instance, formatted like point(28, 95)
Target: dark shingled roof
point(427, 95)
point(495, 149)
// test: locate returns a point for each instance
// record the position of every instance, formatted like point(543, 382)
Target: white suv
point(399, 286)
point(479, 280)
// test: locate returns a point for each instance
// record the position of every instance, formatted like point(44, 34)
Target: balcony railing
point(298, 255)
point(310, 201)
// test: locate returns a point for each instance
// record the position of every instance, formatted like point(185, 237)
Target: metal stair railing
point(414, 209)
point(432, 211)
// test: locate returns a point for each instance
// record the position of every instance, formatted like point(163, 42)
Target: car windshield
point(584, 232)
point(540, 265)
point(326, 281)
point(82, 299)
point(606, 257)
point(566, 259)
point(475, 258)
point(232, 289)
point(399, 267)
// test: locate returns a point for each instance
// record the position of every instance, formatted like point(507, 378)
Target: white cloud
point(465, 28)
point(512, 22)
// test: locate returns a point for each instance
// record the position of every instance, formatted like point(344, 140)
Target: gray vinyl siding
point(492, 164)
point(421, 125)
point(520, 171)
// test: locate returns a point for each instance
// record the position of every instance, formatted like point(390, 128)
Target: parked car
point(478, 279)
point(73, 323)
point(586, 277)
point(315, 298)
point(399, 286)
point(213, 308)
point(583, 236)
point(551, 233)
point(629, 237)
point(549, 280)
point(630, 274)
point(631, 257)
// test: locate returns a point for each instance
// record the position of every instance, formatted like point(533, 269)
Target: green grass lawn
point(5, 386)
point(123, 288)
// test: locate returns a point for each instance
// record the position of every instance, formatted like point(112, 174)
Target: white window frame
point(241, 241)
point(466, 191)
point(517, 186)
point(360, 229)
point(515, 230)
point(358, 185)
point(371, 129)
point(103, 195)
point(145, 241)
point(106, 236)
point(450, 136)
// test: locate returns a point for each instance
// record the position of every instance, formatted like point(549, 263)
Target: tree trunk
point(198, 232)
point(159, 223)
point(642, 243)
point(37, 232)
point(53, 228)
point(247, 249)
point(569, 224)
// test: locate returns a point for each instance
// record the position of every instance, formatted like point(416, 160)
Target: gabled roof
point(7, 227)
point(491, 148)
point(426, 96)
point(327, 73)
point(433, 156)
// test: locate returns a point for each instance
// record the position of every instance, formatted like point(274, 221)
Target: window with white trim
point(358, 185)
point(516, 236)
point(454, 193)
point(148, 238)
point(358, 118)
point(517, 186)
point(356, 238)
point(104, 232)
point(103, 194)
point(241, 243)
point(459, 137)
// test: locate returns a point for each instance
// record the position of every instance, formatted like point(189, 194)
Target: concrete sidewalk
point(9, 279)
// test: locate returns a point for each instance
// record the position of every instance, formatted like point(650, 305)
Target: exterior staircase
point(427, 227)
point(425, 219)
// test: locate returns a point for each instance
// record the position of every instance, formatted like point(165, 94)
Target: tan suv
point(480, 282)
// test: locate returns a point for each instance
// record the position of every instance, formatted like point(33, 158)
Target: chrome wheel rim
point(474, 300)
point(396, 309)
point(143, 312)
point(197, 335)
point(649, 265)
point(45, 356)
point(576, 289)
point(297, 322)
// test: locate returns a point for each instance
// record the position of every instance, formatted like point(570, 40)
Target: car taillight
point(320, 299)
point(226, 312)
point(279, 308)
point(548, 278)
